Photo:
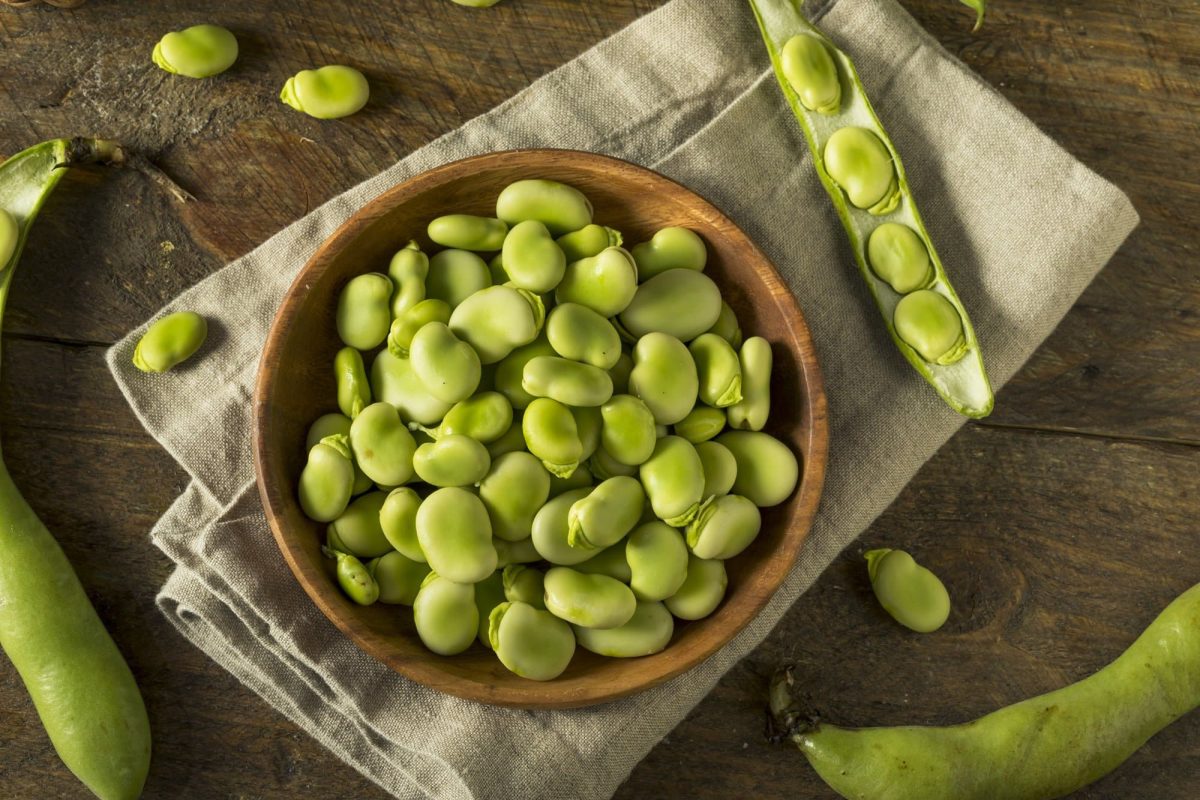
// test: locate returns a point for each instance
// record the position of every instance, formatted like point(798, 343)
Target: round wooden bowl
point(296, 385)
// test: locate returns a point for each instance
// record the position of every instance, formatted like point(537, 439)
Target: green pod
point(200, 51)
point(720, 468)
point(680, 302)
point(512, 492)
point(755, 406)
point(327, 479)
point(628, 432)
point(810, 71)
point(445, 615)
point(718, 370)
point(511, 441)
point(552, 435)
point(411, 320)
point(453, 460)
point(398, 577)
point(467, 232)
point(519, 552)
point(928, 323)
point(606, 283)
point(497, 320)
point(588, 241)
point(383, 448)
point(354, 579)
point(408, 269)
point(670, 248)
point(170, 341)
point(610, 561)
point(898, 257)
point(398, 520)
point(647, 632)
point(724, 527)
point(353, 389)
point(727, 326)
point(580, 334)
point(581, 478)
point(448, 367)
point(767, 470)
point(364, 312)
point(589, 601)
point(619, 372)
point(861, 165)
point(701, 424)
point(550, 528)
point(531, 258)
point(511, 369)
point(455, 275)
point(658, 561)
point(394, 381)
point(664, 377)
point(606, 514)
point(358, 528)
point(456, 535)
point(913, 595)
point(524, 584)
point(330, 92)
point(701, 591)
point(485, 417)
point(531, 642)
point(489, 593)
point(673, 478)
point(568, 382)
point(561, 208)
point(604, 466)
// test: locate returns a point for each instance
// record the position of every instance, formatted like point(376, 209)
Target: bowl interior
point(296, 386)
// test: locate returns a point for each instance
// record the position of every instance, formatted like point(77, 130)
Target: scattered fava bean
point(603, 466)
point(520, 552)
point(898, 257)
point(456, 535)
point(383, 448)
point(718, 370)
point(531, 257)
point(569, 382)
point(398, 577)
point(200, 51)
point(606, 282)
point(398, 520)
point(455, 275)
point(485, 417)
point(861, 165)
point(810, 71)
point(724, 527)
point(619, 373)
point(358, 528)
point(394, 381)
point(531, 642)
point(673, 478)
point(589, 601)
point(511, 441)
point(552, 435)
point(445, 615)
point(588, 241)
point(681, 302)
point(330, 92)
point(702, 591)
point(497, 320)
point(363, 311)
point(914, 596)
point(727, 326)
point(610, 561)
point(468, 232)
point(411, 320)
point(354, 578)
point(353, 389)
point(580, 334)
point(550, 529)
point(647, 632)
point(720, 468)
point(767, 470)
point(489, 593)
point(448, 367)
point(701, 424)
point(664, 377)
point(658, 561)
point(628, 431)
point(334, 424)
point(561, 208)
point(670, 248)
point(606, 514)
point(524, 584)
point(408, 269)
point(512, 492)
point(751, 412)
point(327, 479)
point(453, 460)
point(930, 324)
point(170, 341)
point(510, 371)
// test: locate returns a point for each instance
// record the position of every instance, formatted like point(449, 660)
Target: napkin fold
point(687, 90)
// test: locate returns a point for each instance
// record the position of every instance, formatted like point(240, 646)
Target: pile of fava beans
point(558, 447)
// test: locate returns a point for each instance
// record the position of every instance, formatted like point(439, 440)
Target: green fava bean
point(580, 334)
point(330, 92)
point(647, 632)
point(353, 389)
point(455, 275)
point(408, 269)
point(453, 460)
point(531, 642)
point(628, 433)
point(610, 561)
point(767, 470)
point(200, 51)
point(727, 326)
point(752, 411)
point(670, 248)
point(811, 73)
point(702, 591)
point(724, 527)
point(354, 578)
point(861, 165)
point(587, 424)
point(914, 596)
point(484, 417)
point(658, 561)
point(398, 577)
point(497, 320)
point(511, 441)
point(929, 324)
point(496, 269)
point(604, 466)
point(718, 369)
point(720, 468)
point(561, 208)
point(664, 377)
point(327, 479)
point(511, 369)
point(588, 241)
point(673, 478)
point(333, 424)
point(358, 528)
point(398, 519)
point(468, 232)
point(606, 514)
point(619, 373)
point(383, 448)
point(519, 552)
point(701, 424)
point(456, 535)
point(445, 615)
point(395, 381)
point(550, 529)
point(606, 283)
point(552, 435)
point(531, 257)
point(898, 257)
point(447, 366)
point(589, 601)
point(411, 320)
point(170, 341)
point(569, 382)
point(489, 593)
point(524, 584)
point(680, 302)
point(364, 313)
point(581, 478)
point(513, 490)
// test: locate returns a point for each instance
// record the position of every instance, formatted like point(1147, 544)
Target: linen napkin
point(686, 90)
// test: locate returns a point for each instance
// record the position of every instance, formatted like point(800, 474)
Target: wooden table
point(1061, 525)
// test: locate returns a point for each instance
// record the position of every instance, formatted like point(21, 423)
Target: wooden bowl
point(296, 385)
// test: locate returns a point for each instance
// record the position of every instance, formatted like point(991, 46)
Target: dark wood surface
point(1060, 525)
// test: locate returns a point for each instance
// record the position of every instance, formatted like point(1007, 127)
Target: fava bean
point(552, 435)
point(383, 448)
point(531, 257)
point(511, 441)
point(468, 232)
point(727, 326)
point(588, 241)
point(327, 479)
point(512, 492)
point(720, 468)
point(408, 269)
point(811, 73)
point(861, 165)
point(354, 578)
point(702, 591)
point(647, 632)
point(524, 584)
point(673, 478)
point(455, 275)
point(898, 257)
point(658, 561)
point(405, 326)
point(681, 302)
point(606, 283)
point(531, 642)
point(561, 208)
point(568, 382)
point(580, 334)
point(169, 341)
point(628, 432)
point(489, 593)
point(755, 406)
point(485, 417)
point(363, 311)
point(718, 369)
point(581, 477)
point(497, 320)
point(606, 514)
point(445, 615)
point(619, 373)
point(358, 528)
point(398, 577)
point(670, 248)
point(701, 424)
point(330, 92)
point(589, 601)
point(724, 527)
point(452, 460)
point(604, 466)
point(398, 520)
point(929, 324)
point(587, 424)
point(200, 51)
point(550, 528)
point(664, 377)
point(511, 369)
point(395, 381)
point(456, 535)
point(353, 389)
point(498, 272)
point(448, 367)
point(334, 424)
point(767, 470)
point(914, 596)
point(519, 552)
point(610, 561)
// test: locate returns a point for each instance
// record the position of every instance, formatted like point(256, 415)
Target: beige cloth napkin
point(687, 90)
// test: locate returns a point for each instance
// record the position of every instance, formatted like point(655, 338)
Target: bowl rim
point(537, 694)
